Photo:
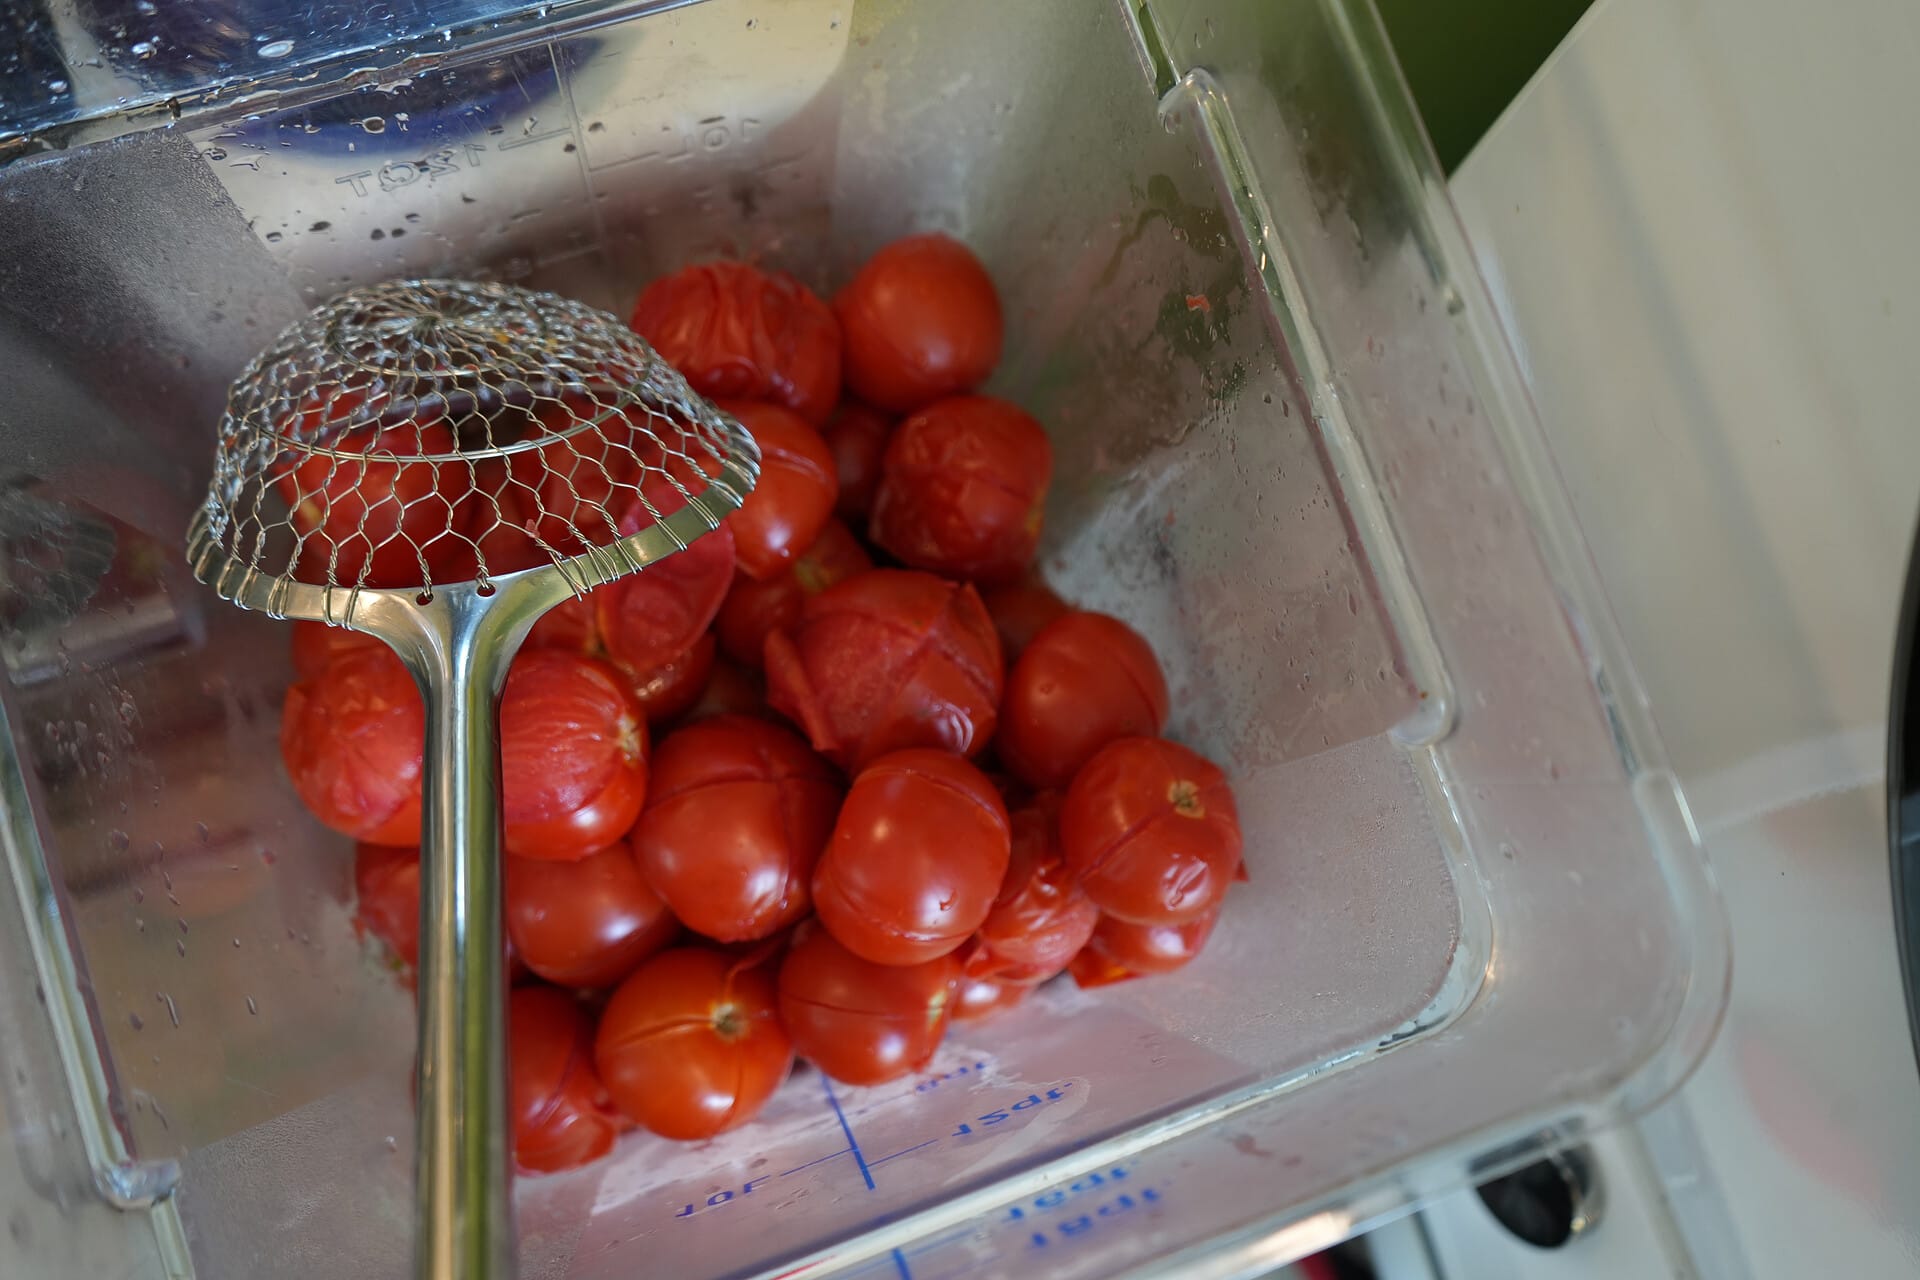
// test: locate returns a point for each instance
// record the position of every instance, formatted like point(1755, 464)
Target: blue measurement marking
point(875, 1164)
point(900, 1265)
point(847, 1129)
point(809, 1164)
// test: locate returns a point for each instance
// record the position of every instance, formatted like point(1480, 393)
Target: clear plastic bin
point(1292, 450)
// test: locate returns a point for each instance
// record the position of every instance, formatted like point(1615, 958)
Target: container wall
point(1287, 452)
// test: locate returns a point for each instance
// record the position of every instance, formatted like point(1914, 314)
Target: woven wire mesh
point(432, 432)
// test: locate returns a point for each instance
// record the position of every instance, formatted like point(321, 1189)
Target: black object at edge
point(1903, 792)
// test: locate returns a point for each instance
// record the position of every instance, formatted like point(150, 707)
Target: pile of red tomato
point(834, 776)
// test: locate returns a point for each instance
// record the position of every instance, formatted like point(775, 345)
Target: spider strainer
point(438, 463)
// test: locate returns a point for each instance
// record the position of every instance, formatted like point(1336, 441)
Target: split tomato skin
point(1041, 918)
point(963, 490)
point(917, 856)
point(737, 332)
point(573, 756)
point(887, 660)
point(669, 690)
point(738, 812)
point(863, 1023)
point(920, 320)
point(1119, 951)
point(1150, 829)
point(650, 618)
point(691, 1044)
point(753, 610)
point(354, 744)
point(563, 1116)
point(1086, 679)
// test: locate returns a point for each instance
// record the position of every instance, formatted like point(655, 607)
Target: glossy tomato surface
point(885, 660)
point(917, 856)
point(386, 883)
point(737, 811)
point(1119, 951)
point(353, 741)
point(371, 510)
point(587, 923)
point(857, 435)
point(793, 499)
point(963, 489)
point(568, 625)
point(573, 762)
point(1041, 917)
point(920, 320)
point(753, 609)
point(983, 997)
point(691, 1045)
point(668, 690)
point(1150, 829)
point(562, 1115)
point(1085, 680)
point(860, 1022)
point(649, 618)
point(736, 331)
point(1020, 610)
point(315, 644)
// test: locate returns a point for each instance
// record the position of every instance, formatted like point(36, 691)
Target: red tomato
point(857, 436)
point(573, 756)
point(354, 741)
point(315, 644)
point(568, 625)
point(732, 690)
point(1151, 830)
point(649, 618)
point(1019, 610)
point(860, 1022)
point(566, 491)
point(916, 857)
point(736, 814)
point(1119, 951)
point(387, 906)
point(921, 320)
point(793, 499)
point(963, 488)
point(562, 1114)
point(585, 923)
point(672, 687)
point(885, 660)
point(1085, 680)
point(1040, 917)
point(690, 1045)
point(736, 331)
point(984, 997)
point(372, 522)
point(752, 609)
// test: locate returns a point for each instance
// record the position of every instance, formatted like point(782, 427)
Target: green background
point(1466, 59)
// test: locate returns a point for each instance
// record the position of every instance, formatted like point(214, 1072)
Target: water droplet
point(144, 49)
point(119, 840)
point(393, 1143)
point(378, 234)
point(181, 947)
point(57, 86)
point(252, 1008)
point(134, 1020)
point(322, 225)
point(173, 1010)
point(374, 124)
point(276, 49)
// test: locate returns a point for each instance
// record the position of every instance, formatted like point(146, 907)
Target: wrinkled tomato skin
point(562, 1115)
point(1085, 680)
point(792, 500)
point(738, 811)
point(354, 743)
point(1118, 951)
point(691, 1044)
point(573, 763)
point(737, 332)
point(649, 618)
point(1041, 918)
point(886, 660)
point(918, 853)
point(863, 1023)
point(920, 320)
point(587, 923)
point(1150, 829)
point(754, 609)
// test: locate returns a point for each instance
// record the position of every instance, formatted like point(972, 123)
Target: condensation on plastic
point(1290, 449)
